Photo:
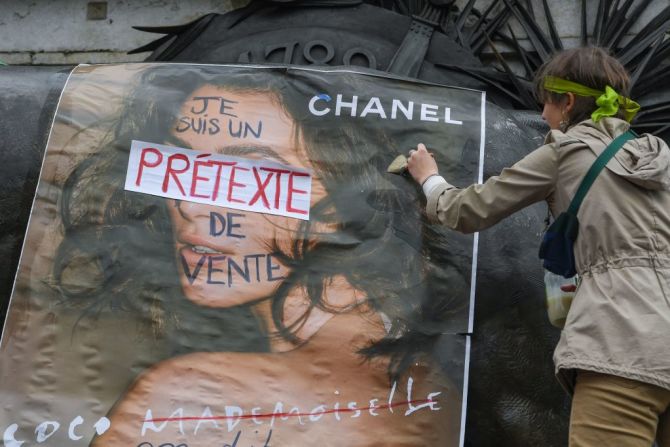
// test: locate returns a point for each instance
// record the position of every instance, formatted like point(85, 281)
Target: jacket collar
point(644, 161)
point(604, 130)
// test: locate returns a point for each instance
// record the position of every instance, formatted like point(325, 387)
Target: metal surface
point(28, 98)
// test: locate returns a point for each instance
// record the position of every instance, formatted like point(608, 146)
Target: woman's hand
point(421, 164)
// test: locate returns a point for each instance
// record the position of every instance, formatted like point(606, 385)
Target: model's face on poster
point(222, 245)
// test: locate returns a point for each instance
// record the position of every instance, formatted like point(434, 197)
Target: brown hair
point(589, 66)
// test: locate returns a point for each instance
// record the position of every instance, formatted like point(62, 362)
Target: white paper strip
point(240, 183)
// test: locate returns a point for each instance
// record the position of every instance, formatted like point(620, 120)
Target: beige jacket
point(619, 322)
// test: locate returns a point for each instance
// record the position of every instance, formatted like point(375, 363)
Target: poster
point(216, 256)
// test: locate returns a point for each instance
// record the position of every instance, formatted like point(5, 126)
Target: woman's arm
point(480, 206)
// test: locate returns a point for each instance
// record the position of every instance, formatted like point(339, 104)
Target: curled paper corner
point(398, 165)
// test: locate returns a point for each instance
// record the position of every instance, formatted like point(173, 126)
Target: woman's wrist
point(423, 182)
point(432, 182)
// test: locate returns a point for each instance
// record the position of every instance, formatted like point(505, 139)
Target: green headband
point(608, 101)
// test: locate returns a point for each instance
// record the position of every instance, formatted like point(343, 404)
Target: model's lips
point(204, 250)
point(202, 246)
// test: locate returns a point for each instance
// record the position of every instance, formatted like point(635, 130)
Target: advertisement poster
point(217, 256)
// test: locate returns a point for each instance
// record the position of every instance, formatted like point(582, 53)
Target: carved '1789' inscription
point(315, 52)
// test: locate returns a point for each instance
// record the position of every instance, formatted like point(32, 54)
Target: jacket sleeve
point(480, 206)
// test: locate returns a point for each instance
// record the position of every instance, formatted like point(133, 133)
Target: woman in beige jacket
point(614, 352)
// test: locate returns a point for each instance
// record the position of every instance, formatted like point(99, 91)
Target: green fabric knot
point(608, 104)
point(630, 107)
point(608, 101)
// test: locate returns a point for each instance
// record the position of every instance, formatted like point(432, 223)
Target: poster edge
point(288, 68)
point(466, 381)
point(475, 253)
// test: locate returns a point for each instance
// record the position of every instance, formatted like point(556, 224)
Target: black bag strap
point(597, 167)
